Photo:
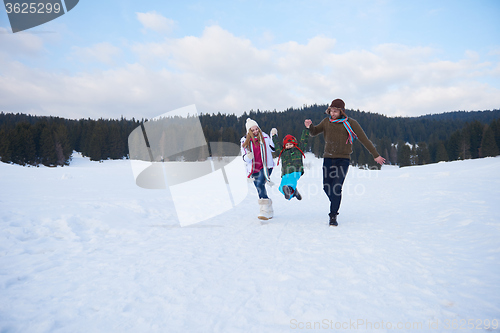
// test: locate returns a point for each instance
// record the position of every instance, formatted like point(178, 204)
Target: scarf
point(263, 156)
point(350, 132)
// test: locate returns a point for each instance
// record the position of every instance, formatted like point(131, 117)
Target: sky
point(114, 58)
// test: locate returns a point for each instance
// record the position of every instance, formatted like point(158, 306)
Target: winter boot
point(269, 208)
point(288, 191)
point(333, 220)
point(266, 209)
point(262, 213)
point(297, 195)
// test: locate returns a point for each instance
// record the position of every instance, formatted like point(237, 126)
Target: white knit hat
point(251, 123)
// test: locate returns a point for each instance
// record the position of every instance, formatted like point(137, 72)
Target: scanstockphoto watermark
point(310, 184)
point(365, 324)
point(170, 152)
point(354, 324)
point(311, 189)
point(333, 172)
point(26, 14)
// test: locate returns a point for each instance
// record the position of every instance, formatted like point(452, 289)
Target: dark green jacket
point(291, 159)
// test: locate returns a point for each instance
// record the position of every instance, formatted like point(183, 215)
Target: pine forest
point(404, 141)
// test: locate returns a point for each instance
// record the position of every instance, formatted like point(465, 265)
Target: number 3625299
point(32, 8)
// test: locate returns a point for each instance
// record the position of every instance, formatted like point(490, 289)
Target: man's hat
point(337, 103)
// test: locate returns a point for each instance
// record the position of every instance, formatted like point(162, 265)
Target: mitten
point(250, 155)
point(274, 132)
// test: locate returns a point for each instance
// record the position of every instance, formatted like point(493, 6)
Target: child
point(292, 167)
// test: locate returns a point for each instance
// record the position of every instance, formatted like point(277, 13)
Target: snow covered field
point(83, 249)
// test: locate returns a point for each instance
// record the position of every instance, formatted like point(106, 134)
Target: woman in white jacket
point(257, 149)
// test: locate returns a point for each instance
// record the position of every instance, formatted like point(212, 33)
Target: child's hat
point(250, 123)
point(289, 139)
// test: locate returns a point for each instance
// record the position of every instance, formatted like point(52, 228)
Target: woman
point(339, 131)
point(257, 149)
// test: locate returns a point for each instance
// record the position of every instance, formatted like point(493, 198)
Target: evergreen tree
point(62, 144)
point(488, 145)
point(394, 155)
point(48, 147)
point(404, 155)
point(441, 153)
point(318, 146)
point(474, 132)
point(386, 154)
point(454, 146)
point(138, 148)
point(413, 155)
point(23, 145)
point(97, 143)
point(495, 126)
point(362, 160)
point(464, 145)
point(115, 142)
point(423, 155)
point(5, 150)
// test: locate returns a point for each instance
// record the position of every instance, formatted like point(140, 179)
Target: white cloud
point(20, 44)
point(304, 58)
point(218, 54)
point(156, 22)
point(425, 100)
point(220, 72)
point(101, 52)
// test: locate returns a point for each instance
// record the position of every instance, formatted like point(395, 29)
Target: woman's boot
point(266, 209)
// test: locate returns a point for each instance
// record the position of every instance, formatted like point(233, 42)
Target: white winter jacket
point(268, 147)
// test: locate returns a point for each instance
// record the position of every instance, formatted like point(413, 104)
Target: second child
point(292, 167)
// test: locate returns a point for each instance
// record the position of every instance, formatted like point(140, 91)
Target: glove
point(274, 132)
point(250, 155)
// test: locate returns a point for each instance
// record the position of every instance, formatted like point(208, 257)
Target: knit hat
point(289, 139)
point(250, 123)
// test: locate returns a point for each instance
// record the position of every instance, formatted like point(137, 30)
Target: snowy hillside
point(83, 249)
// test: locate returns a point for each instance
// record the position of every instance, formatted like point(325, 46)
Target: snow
point(83, 249)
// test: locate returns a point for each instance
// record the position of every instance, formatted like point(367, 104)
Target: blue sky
point(143, 58)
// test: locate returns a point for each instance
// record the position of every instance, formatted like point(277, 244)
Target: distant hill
point(465, 116)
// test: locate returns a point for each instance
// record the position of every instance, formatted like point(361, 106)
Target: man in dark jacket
point(339, 131)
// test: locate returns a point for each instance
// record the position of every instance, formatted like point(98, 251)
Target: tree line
point(34, 140)
point(403, 141)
